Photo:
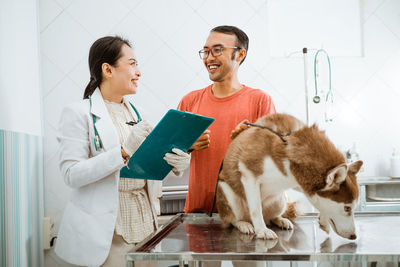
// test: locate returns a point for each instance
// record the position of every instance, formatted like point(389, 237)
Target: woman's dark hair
point(103, 50)
point(242, 40)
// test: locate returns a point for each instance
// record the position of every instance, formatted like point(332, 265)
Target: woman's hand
point(239, 128)
point(125, 156)
point(179, 160)
point(136, 137)
point(203, 142)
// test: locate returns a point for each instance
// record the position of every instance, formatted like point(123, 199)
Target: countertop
point(199, 237)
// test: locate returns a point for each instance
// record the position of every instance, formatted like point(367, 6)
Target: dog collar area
point(282, 137)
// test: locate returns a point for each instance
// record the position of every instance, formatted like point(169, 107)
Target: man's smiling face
point(220, 67)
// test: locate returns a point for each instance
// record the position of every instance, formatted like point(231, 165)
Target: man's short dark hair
point(242, 40)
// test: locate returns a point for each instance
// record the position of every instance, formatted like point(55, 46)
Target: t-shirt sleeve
point(266, 106)
point(183, 104)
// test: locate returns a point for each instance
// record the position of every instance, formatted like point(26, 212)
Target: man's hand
point(239, 128)
point(203, 142)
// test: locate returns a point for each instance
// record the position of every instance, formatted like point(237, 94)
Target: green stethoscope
point(97, 141)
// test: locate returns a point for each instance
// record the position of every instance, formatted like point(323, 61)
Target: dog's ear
point(335, 177)
point(355, 167)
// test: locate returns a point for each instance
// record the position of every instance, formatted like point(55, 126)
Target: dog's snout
point(352, 237)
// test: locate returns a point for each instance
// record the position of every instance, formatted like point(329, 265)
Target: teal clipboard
point(177, 129)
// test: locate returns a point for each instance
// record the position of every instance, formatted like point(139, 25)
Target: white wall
point(20, 106)
point(21, 139)
point(166, 36)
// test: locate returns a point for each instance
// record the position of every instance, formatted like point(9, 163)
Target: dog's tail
point(291, 212)
point(295, 209)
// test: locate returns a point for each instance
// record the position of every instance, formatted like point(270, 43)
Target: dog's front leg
point(252, 191)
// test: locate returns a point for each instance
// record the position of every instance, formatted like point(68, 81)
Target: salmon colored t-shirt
point(228, 112)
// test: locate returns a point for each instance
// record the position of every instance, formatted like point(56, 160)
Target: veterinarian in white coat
point(106, 214)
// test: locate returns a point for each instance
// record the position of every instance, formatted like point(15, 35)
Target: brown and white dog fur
point(258, 167)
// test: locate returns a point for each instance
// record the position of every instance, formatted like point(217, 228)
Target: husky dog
point(260, 165)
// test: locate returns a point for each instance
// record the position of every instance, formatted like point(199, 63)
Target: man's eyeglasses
point(215, 51)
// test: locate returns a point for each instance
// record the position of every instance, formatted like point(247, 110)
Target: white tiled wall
point(166, 36)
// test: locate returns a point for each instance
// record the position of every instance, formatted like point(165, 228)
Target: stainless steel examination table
point(197, 237)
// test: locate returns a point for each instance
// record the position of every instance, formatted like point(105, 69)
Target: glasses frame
point(204, 51)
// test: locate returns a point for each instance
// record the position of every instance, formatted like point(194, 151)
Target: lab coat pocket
point(83, 239)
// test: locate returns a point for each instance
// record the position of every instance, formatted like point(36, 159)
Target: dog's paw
point(283, 223)
point(266, 234)
point(244, 227)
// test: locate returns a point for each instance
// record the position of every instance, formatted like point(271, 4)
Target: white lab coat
point(87, 226)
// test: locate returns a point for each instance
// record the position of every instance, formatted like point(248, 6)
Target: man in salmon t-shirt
point(226, 100)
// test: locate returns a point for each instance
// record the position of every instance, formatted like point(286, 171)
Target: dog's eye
point(347, 209)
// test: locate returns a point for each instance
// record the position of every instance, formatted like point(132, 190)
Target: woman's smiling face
point(125, 74)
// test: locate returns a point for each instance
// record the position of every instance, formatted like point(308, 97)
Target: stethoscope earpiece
point(316, 99)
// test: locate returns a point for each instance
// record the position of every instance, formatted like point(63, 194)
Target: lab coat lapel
point(104, 124)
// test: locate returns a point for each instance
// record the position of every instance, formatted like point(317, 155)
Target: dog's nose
point(352, 237)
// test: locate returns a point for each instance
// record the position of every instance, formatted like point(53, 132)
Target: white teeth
point(213, 67)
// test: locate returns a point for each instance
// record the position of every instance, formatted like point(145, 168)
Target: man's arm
point(266, 106)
